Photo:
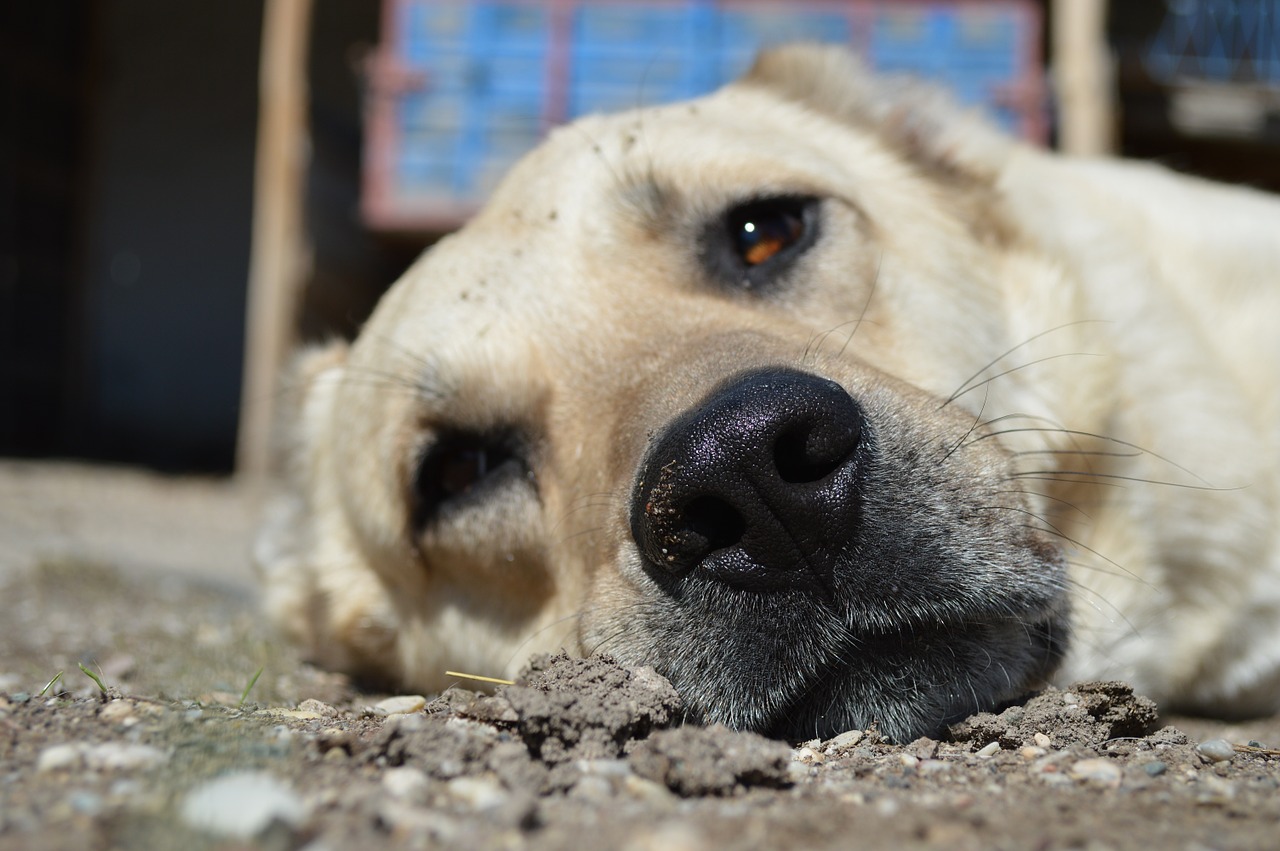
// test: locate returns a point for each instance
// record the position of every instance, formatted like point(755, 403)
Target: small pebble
point(119, 712)
point(403, 705)
point(405, 782)
point(1155, 768)
point(58, 757)
point(1216, 750)
point(112, 756)
point(1102, 771)
point(478, 793)
point(242, 804)
point(1029, 753)
point(908, 760)
point(988, 750)
point(319, 708)
point(647, 791)
point(808, 756)
point(1042, 741)
point(845, 740)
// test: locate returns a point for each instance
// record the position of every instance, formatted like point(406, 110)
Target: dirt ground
point(208, 732)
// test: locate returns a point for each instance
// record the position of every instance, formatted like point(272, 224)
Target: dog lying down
point(821, 397)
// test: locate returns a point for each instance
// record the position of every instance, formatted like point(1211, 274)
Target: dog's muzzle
point(757, 487)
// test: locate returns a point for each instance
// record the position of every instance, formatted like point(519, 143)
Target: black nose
point(756, 487)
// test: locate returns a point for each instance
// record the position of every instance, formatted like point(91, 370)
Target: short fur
point(1071, 367)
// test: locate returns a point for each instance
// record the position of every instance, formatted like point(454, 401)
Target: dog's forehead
point(596, 186)
point(599, 225)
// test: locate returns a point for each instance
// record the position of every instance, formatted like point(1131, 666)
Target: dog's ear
point(298, 553)
point(915, 117)
point(304, 555)
point(283, 551)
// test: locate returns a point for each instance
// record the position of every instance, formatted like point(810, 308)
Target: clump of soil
point(1085, 714)
point(693, 761)
point(566, 708)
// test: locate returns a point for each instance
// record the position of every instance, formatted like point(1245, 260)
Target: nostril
point(810, 453)
point(717, 523)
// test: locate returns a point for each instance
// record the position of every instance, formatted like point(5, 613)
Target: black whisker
point(964, 386)
point(1087, 474)
point(1102, 437)
point(1060, 500)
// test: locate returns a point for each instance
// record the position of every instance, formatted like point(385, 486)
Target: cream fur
point(1111, 299)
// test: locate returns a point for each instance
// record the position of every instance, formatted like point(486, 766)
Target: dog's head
point(692, 390)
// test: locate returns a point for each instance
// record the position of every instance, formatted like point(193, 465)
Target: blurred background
point(189, 190)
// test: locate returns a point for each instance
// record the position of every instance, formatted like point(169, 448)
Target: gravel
point(579, 754)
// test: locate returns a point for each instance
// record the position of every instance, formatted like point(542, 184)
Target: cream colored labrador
point(820, 396)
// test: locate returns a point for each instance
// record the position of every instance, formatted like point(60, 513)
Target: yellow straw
point(479, 678)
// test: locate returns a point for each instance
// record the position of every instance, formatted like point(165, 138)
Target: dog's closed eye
point(461, 466)
point(751, 245)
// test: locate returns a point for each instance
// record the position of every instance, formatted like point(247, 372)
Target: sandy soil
point(145, 582)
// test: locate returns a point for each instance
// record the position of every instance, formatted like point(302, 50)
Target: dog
point(820, 396)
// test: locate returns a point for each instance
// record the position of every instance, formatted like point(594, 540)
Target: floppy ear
point(282, 551)
point(915, 117)
point(302, 553)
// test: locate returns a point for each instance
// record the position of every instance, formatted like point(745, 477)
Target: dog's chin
point(917, 686)
point(786, 667)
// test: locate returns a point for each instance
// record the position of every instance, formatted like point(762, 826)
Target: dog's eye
point(460, 466)
point(763, 230)
point(751, 245)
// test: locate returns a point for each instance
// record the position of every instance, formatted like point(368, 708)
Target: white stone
point(242, 805)
point(1216, 750)
point(402, 705)
point(988, 750)
point(112, 756)
point(808, 756)
point(405, 782)
point(61, 757)
point(119, 712)
point(478, 793)
point(845, 740)
point(1097, 770)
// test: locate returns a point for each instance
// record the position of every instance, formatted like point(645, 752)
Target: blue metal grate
point(1228, 41)
point(491, 76)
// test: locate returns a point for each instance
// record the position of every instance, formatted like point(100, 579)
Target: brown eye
point(753, 246)
point(764, 229)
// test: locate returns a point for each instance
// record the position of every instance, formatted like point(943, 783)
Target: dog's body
point(824, 399)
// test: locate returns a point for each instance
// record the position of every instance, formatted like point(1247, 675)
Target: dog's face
point(691, 391)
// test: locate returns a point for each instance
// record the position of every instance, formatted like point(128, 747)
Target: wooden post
point(1083, 74)
point(279, 261)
